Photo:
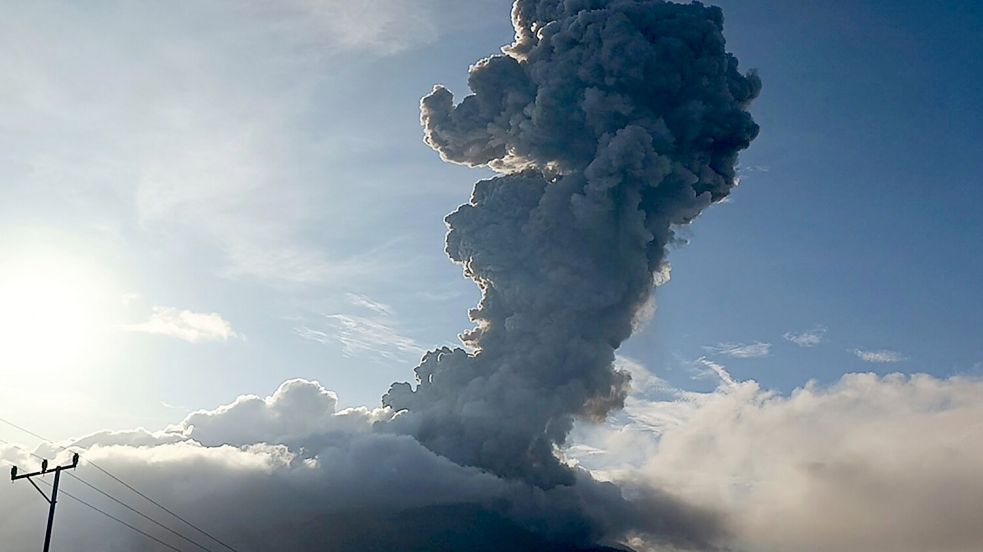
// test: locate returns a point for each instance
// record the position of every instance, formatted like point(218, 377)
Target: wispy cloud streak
point(705, 367)
point(372, 333)
point(883, 356)
point(809, 338)
point(757, 349)
point(190, 326)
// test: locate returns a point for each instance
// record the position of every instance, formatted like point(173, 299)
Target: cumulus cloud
point(297, 410)
point(809, 338)
point(742, 350)
point(290, 471)
point(261, 496)
point(292, 415)
point(193, 327)
point(882, 356)
point(868, 463)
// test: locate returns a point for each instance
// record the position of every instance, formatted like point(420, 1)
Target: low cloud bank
point(290, 471)
point(869, 463)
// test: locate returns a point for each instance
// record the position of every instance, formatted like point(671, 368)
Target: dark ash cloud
point(613, 121)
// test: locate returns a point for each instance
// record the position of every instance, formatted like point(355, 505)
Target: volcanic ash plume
point(611, 122)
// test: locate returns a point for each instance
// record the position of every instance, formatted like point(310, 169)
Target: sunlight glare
point(51, 315)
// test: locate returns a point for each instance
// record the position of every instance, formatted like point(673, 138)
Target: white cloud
point(643, 381)
point(297, 410)
point(753, 169)
point(869, 463)
point(249, 453)
point(809, 338)
point(882, 357)
point(130, 299)
point(373, 333)
point(193, 327)
point(654, 405)
point(742, 350)
point(305, 475)
point(705, 367)
point(381, 27)
point(362, 301)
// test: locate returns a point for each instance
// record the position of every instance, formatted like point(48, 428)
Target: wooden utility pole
point(14, 476)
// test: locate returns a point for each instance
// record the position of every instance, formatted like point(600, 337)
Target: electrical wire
point(161, 506)
point(135, 511)
point(125, 484)
point(117, 520)
point(27, 431)
point(107, 495)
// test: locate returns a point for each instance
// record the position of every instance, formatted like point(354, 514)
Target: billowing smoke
point(291, 472)
point(612, 121)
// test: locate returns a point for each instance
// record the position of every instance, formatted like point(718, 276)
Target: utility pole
point(14, 476)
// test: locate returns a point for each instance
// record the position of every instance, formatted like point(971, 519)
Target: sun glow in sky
point(54, 317)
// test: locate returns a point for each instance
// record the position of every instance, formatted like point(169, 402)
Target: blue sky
point(219, 221)
point(865, 217)
point(261, 170)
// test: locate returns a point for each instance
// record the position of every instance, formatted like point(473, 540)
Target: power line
point(53, 499)
point(137, 512)
point(107, 495)
point(161, 506)
point(125, 484)
point(27, 431)
point(117, 520)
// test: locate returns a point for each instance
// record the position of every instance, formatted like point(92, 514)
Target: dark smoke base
point(445, 528)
